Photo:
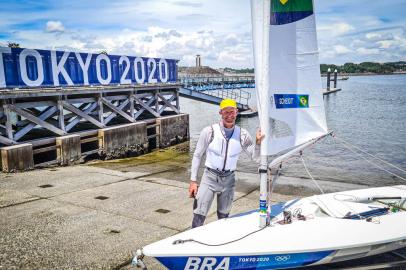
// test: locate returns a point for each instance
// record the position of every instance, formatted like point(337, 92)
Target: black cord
point(179, 241)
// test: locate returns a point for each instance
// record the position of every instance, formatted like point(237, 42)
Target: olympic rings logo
point(282, 258)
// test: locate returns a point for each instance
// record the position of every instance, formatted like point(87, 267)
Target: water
point(370, 112)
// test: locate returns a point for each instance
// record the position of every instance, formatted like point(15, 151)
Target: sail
point(287, 73)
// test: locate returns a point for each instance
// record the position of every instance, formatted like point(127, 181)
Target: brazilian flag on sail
point(288, 11)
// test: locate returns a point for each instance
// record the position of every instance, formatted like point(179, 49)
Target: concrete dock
point(94, 216)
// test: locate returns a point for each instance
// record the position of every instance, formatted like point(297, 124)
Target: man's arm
point(253, 149)
point(201, 147)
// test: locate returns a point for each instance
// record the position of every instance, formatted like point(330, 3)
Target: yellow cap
point(228, 103)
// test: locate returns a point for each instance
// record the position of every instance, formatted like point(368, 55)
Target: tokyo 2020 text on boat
point(309, 231)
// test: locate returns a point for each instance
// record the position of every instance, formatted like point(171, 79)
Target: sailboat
point(308, 231)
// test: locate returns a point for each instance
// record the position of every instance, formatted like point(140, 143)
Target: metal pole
point(263, 175)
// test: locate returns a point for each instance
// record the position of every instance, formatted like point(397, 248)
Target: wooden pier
point(43, 126)
point(330, 91)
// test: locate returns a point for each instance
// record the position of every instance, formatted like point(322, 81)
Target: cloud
point(385, 44)
point(336, 29)
point(348, 31)
point(365, 51)
point(373, 36)
point(340, 49)
point(231, 40)
point(187, 3)
point(167, 34)
point(54, 27)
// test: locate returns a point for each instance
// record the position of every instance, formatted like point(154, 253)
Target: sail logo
point(289, 11)
point(304, 101)
point(291, 101)
point(207, 263)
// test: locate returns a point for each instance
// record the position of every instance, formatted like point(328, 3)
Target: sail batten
point(287, 72)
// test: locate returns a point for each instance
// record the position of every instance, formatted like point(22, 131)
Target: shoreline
point(364, 74)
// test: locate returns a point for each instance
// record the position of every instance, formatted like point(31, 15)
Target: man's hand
point(193, 189)
point(259, 136)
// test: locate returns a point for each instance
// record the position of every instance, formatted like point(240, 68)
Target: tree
point(13, 45)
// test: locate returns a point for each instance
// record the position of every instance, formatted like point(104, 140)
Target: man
point(222, 143)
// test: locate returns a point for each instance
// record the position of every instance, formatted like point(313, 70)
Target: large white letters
point(139, 61)
point(98, 69)
point(163, 78)
point(123, 79)
point(84, 66)
point(23, 67)
point(151, 64)
point(193, 263)
point(208, 263)
point(2, 72)
point(32, 68)
point(59, 68)
point(224, 264)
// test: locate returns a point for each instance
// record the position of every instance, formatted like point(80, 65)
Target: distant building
point(199, 71)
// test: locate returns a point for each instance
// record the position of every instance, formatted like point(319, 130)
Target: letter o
point(161, 63)
point(99, 58)
point(23, 67)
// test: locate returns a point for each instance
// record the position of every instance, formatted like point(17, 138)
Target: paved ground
point(94, 216)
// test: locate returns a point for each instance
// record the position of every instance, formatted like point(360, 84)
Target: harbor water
point(369, 112)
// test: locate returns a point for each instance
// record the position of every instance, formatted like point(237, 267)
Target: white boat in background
point(309, 231)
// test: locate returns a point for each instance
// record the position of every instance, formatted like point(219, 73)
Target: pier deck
point(332, 90)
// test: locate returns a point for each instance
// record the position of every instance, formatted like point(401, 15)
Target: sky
point(219, 30)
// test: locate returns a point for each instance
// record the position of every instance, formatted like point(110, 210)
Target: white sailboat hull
point(331, 232)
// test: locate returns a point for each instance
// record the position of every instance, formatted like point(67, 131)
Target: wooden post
point(9, 126)
point(328, 79)
point(335, 79)
point(122, 141)
point(156, 101)
point(173, 129)
point(100, 104)
point(68, 149)
point(17, 158)
point(132, 108)
point(177, 99)
point(61, 117)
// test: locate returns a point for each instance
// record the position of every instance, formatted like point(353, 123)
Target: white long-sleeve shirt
point(205, 139)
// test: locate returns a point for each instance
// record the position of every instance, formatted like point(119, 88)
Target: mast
point(288, 81)
point(263, 177)
point(261, 18)
point(263, 169)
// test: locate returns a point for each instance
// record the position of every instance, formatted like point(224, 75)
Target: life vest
point(222, 154)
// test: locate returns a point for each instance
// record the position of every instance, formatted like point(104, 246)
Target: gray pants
point(213, 184)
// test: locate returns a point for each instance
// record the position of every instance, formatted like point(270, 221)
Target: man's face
point(229, 114)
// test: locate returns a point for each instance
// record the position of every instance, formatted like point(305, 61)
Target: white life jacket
point(222, 154)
